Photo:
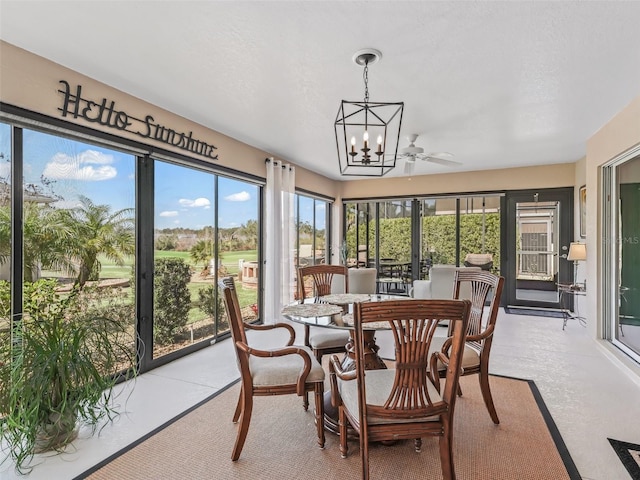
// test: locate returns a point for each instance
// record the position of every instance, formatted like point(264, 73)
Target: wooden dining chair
point(322, 341)
point(403, 402)
point(282, 370)
point(478, 284)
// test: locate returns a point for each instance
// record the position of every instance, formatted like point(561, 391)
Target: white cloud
point(197, 203)
point(238, 197)
point(169, 213)
point(88, 166)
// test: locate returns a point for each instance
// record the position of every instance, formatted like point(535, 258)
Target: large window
point(311, 220)
point(206, 227)
point(311, 235)
point(6, 242)
point(78, 226)
point(145, 239)
point(415, 234)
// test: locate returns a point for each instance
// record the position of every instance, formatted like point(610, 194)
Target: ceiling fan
point(412, 153)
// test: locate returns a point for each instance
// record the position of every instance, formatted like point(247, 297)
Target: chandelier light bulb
point(353, 144)
point(365, 137)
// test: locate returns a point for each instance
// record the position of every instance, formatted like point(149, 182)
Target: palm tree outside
point(98, 231)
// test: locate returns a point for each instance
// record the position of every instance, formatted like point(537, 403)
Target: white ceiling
point(498, 84)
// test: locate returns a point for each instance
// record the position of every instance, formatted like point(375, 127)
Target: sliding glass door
point(68, 222)
point(622, 253)
point(205, 228)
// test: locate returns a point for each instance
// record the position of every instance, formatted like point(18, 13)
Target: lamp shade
point(577, 252)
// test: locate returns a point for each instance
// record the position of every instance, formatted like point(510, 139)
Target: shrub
point(171, 300)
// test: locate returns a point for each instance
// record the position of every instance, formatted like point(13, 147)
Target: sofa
point(440, 283)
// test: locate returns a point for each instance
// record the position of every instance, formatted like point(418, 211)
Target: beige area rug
point(281, 444)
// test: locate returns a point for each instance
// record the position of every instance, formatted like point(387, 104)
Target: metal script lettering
point(106, 114)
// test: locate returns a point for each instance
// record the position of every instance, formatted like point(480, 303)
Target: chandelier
point(367, 133)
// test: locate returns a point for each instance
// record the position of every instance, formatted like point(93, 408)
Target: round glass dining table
point(336, 311)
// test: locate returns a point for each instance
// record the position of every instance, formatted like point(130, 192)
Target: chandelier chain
point(365, 76)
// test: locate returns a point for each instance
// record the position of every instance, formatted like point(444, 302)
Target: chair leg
point(446, 452)
point(307, 331)
point(364, 452)
point(486, 395)
point(417, 443)
point(459, 390)
point(305, 400)
point(236, 414)
point(342, 427)
point(319, 412)
point(245, 418)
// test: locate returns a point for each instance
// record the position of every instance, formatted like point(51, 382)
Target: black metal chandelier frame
point(365, 119)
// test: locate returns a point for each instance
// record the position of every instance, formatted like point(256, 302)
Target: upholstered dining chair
point(284, 370)
point(362, 280)
point(403, 402)
point(323, 341)
point(477, 285)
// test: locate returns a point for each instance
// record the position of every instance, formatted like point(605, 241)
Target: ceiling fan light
point(408, 166)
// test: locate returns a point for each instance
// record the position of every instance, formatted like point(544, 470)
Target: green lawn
point(229, 260)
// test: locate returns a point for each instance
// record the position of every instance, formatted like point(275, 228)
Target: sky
point(184, 197)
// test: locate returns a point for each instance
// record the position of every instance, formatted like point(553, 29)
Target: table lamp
point(577, 253)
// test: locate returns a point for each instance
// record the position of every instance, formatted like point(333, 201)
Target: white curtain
point(280, 229)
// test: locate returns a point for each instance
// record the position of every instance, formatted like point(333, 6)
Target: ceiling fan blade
point(443, 161)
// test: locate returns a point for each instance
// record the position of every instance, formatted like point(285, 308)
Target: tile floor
point(590, 395)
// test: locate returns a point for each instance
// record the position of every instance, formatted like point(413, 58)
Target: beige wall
point(546, 176)
point(616, 137)
point(32, 82)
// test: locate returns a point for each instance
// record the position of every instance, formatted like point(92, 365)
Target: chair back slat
point(413, 324)
point(322, 276)
point(481, 283)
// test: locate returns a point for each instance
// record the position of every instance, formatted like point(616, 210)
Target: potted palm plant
point(59, 370)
